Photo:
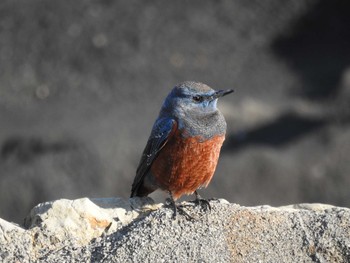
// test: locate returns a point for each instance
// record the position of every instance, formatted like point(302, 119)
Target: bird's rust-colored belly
point(186, 164)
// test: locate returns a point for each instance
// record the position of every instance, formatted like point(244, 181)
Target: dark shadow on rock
point(98, 251)
point(317, 48)
point(280, 132)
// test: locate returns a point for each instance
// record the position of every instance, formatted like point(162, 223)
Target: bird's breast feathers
point(204, 126)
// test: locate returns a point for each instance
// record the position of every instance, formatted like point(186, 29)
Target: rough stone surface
point(137, 230)
point(84, 219)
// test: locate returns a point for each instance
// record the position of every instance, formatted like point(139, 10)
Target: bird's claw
point(169, 202)
point(203, 203)
point(182, 211)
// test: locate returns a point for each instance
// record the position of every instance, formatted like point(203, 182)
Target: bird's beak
point(221, 93)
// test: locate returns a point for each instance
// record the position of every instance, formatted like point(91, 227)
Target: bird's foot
point(177, 209)
point(203, 203)
point(182, 211)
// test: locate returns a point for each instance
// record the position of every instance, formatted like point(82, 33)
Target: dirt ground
point(81, 83)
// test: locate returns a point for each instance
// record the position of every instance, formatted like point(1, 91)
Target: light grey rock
point(136, 230)
point(15, 243)
point(83, 219)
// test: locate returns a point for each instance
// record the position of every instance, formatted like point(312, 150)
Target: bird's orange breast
point(186, 164)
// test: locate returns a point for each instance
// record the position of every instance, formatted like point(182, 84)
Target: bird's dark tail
point(140, 191)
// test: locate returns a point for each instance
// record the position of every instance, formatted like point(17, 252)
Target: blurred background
point(81, 83)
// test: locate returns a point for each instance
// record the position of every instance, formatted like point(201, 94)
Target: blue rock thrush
point(184, 146)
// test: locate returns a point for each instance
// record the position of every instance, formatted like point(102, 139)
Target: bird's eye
point(197, 98)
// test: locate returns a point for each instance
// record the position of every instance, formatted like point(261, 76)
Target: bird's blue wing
point(162, 130)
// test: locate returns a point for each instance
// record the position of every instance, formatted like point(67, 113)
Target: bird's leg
point(202, 202)
point(171, 202)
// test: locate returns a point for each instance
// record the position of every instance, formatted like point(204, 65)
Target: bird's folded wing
point(163, 130)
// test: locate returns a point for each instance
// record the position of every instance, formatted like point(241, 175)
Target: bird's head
point(193, 97)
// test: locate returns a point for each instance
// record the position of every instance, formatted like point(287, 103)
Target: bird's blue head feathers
point(194, 97)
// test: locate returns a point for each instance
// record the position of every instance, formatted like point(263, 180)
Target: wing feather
point(162, 131)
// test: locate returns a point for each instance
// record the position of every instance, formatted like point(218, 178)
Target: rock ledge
point(137, 230)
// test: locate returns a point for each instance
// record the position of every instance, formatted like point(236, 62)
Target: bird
point(183, 148)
